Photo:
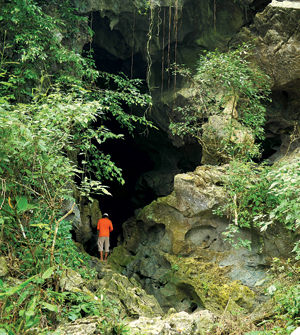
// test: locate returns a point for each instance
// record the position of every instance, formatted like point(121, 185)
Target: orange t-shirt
point(105, 227)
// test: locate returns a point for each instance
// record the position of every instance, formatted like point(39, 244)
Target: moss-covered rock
point(119, 258)
point(189, 206)
point(133, 300)
point(206, 286)
point(70, 280)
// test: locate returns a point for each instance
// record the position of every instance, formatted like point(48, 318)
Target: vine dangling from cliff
point(149, 59)
point(163, 52)
point(215, 17)
point(169, 43)
point(176, 34)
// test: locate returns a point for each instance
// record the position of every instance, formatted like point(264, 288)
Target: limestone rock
point(198, 29)
point(181, 231)
point(3, 267)
point(276, 37)
point(190, 283)
point(168, 220)
point(277, 43)
point(198, 323)
point(215, 131)
point(119, 258)
point(134, 301)
point(90, 213)
point(84, 219)
point(71, 280)
point(84, 326)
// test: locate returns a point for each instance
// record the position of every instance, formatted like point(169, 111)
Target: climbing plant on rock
point(228, 112)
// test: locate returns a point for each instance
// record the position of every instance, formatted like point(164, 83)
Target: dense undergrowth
point(32, 297)
point(49, 104)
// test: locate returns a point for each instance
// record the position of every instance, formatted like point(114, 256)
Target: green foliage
point(284, 291)
point(51, 113)
point(285, 188)
point(33, 303)
point(249, 200)
point(261, 197)
point(42, 136)
point(38, 47)
point(39, 139)
point(225, 85)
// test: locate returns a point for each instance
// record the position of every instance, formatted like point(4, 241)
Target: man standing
point(105, 227)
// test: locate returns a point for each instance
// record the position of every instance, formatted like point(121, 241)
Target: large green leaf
point(22, 203)
point(18, 288)
point(52, 308)
point(48, 273)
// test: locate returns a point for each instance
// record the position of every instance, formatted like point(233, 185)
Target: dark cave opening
point(107, 56)
point(138, 155)
point(269, 147)
point(133, 161)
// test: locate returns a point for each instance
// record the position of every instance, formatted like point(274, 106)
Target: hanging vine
point(163, 52)
point(132, 52)
point(169, 44)
point(176, 40)
point(150, 32)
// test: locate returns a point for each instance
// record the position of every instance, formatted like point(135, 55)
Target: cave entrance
point(133, 161)
point(111, 54)
point(149, 163)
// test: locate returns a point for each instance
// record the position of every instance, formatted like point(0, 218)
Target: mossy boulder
point(70, 280)
point(208, 286)
point(169, 219)
point(218, 132)
point(133, 300)
point(119, 258)
point(190, 283)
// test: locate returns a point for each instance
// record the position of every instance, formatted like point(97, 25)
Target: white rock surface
point(181, 323)
point(296, 331)
point(286, 4)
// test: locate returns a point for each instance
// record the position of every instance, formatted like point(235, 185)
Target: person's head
point(105, 215)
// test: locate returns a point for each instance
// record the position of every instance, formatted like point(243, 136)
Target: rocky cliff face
point(143, 38)
point(174, 247)
point(179, 255)
point(275, 34)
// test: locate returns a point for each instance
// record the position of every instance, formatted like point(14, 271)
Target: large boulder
point(198, 323)
point(220, 131)
point(189, 283)
point(133, 301)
